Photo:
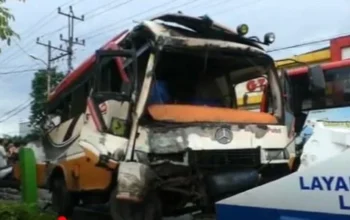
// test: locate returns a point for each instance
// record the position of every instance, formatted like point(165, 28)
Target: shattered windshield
point(211, 81)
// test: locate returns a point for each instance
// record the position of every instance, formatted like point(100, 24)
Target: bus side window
point(110, 80)
point(66, 111)
point(55, 117)
point(115, 79)
point(62, 110)
point(79, 100)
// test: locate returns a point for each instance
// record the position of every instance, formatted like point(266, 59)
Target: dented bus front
point(198, 139)
point(161, 122)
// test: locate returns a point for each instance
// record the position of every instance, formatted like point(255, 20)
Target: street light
point(48, 72)
point(36, 58)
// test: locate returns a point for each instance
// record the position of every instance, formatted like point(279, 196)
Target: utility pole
point(50, 59)
point(64, 52)
point(70, 40)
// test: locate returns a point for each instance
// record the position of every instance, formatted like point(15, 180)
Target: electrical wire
point(25, 52)
point(111, 27)
point(39, 25)
point(111, 7)
point(117, 25)
point(51, 14)
point(13, 55)
point(56, 30)
point(18, 71)
point(108, 26)
point(16, 110)
point(16, 67)
point(108, 4)
point(308, 43)
point(87, 18)
point(16, 113)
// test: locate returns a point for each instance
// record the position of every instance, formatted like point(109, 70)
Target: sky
point(293, 22)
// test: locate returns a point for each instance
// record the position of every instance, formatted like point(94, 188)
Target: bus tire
point(148, 209)
point(63, 201)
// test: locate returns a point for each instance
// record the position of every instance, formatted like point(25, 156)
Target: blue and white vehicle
point(319, 190)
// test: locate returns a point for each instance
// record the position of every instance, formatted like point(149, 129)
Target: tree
point(19, 140)
point(39, 94)
point(6, 32)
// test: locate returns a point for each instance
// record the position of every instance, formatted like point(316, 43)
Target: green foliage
point(18, 211)
point(22, 140)
point(39, 94)
point(6, 32)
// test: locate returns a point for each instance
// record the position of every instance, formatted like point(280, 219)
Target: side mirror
point(317, 82)
point(317, 86)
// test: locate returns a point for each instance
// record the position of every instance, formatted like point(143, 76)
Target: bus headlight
point(242, 29)
point(269, 38)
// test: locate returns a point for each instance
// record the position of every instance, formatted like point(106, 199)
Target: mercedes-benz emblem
point(224, 135)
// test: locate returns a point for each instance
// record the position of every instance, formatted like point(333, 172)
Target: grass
point(19, 211)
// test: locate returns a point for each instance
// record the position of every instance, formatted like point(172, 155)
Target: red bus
point(336, 91)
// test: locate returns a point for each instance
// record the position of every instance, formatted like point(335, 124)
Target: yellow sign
point(345, 124)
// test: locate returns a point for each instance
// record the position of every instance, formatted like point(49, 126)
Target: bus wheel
point(62, 200)
point(148, 209)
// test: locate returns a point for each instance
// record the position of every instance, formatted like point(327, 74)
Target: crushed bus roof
point(203, 28)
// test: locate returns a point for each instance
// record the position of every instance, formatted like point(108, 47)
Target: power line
point(61, 28)
point(12, 55)
point(42, 19)
point(24, 51)
point(111, 27)
point(35, 26)
point(307, 43)
point(117, 24)
point(15, 111)
point(16, 67)
point(18, 71)
point(110, 7)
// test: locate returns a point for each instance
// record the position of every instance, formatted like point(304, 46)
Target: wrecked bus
point(150, 122)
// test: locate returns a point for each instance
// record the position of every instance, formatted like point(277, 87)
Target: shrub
point(18, 211)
